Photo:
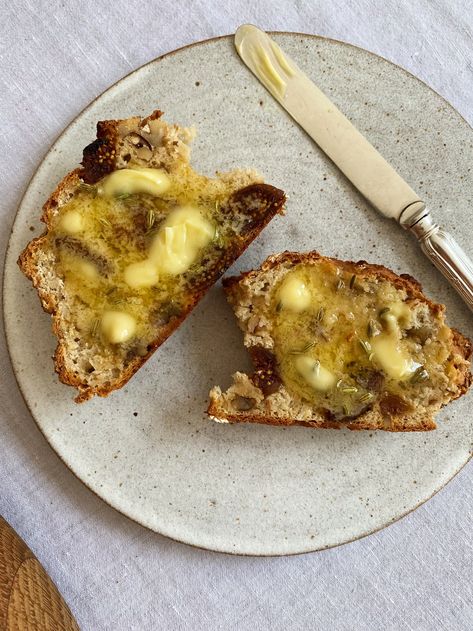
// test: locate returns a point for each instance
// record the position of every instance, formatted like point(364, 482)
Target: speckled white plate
point(148, 450)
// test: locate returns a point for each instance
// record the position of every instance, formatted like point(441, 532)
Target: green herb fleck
point(352, 281)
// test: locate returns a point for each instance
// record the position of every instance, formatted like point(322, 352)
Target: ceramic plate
point(149, 450)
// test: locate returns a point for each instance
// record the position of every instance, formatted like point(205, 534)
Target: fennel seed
point(316, 366)
point(372, 328)
point(150, 219)
point(366, 346)
point(303, 350)
point(95, 327)
point(419, 375)
point(104, 222)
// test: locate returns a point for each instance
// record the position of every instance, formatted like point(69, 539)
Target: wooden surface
point(29, 600)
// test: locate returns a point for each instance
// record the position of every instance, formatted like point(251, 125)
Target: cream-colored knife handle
point(442, 249)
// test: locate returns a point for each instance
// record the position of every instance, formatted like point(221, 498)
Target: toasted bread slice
point(340, 344)
point(134, 239)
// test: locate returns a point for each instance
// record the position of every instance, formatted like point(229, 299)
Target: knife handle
point(445, 253)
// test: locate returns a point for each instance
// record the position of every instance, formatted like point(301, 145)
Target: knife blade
point(353, 154)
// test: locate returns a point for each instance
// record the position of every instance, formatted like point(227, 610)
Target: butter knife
point(361, 163)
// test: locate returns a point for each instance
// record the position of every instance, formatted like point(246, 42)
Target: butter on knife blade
point(332, 131)
point(353, 154)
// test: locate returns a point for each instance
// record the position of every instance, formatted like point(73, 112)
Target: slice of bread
point(340, 344)
point(134, 238)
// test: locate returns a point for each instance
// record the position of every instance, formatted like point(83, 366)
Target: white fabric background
point(55, 57)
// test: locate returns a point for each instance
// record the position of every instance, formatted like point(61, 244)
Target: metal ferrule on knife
point(353, 154)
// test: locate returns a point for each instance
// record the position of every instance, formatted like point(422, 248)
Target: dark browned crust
point(464, 348)
point(99, 159)
point(394, 422)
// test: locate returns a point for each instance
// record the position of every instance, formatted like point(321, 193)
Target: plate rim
point(7, 256)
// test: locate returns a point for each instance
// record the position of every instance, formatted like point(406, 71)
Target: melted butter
point(107, 265)
point(133, 181)
point(282, 59)
point(394, 361)
point(72, 222)
point(268, 72)
point(314, 374)
point(141, 274)
point(86, 269)
point(265, 58)
point(328, 336)
point(76, 267)
point(118, 326)
point(294, 294)
point(178, 243)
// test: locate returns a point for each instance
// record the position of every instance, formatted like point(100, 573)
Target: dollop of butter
point(117, 326)
point(71, 222)
point(178, 242)
point(133, 181)
point(141, 274)
point(392, 359)
point(294, 294)
point(316, 375)
point(386, 346)
point(86, 269)
point(174, 249)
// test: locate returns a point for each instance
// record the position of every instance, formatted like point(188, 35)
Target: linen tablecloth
point(417, 574)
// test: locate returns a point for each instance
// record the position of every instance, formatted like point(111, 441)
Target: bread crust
point(461, 347)
point(101, 157)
